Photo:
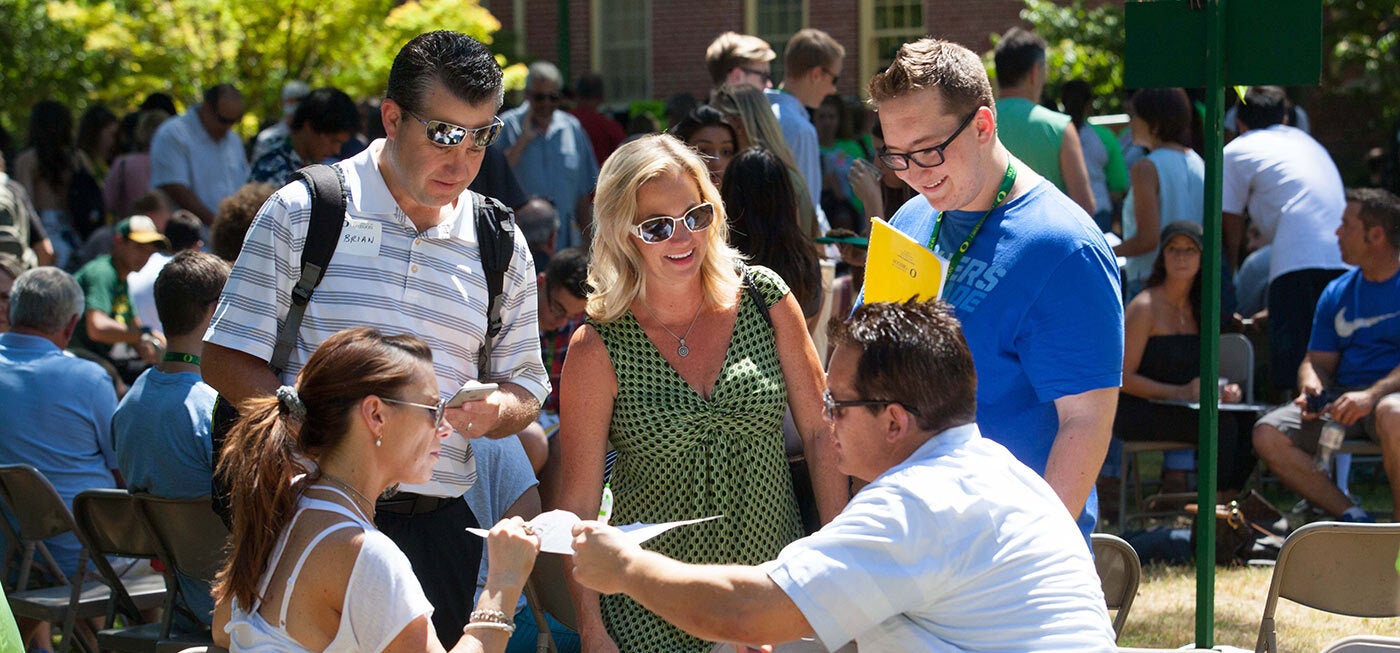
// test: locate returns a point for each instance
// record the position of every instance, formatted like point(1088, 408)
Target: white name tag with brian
point(360, 237)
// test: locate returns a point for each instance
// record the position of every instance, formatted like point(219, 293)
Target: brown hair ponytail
point(258, 463)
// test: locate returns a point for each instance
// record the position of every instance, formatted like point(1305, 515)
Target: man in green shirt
point(1043, 139)
point(110, 328)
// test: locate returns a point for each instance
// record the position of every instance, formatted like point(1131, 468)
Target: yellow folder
point(899, 268)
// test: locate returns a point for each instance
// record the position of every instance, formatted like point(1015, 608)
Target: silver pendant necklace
point(681, 350)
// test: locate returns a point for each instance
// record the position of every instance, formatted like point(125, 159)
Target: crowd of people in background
point(660, 342)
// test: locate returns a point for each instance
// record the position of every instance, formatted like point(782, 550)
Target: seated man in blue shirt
point(56, 407)
point(953, 545)
point(161, 428)
point(1352, 368)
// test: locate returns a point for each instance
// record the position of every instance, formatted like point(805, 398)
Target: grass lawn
point(1163, 616)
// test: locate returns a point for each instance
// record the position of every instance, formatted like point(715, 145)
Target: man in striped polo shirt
point(407, 262)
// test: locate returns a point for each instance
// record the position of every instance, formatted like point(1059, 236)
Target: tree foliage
point(1361, 42)
point(1084, 42)
point(117, 51)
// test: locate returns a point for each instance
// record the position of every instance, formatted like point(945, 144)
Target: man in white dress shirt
point(954, 545)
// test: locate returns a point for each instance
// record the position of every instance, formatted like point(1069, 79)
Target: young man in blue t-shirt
point(1032, 279)
point(161, 427)
point(1353, 359)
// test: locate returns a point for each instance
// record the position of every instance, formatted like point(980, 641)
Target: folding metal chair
point(191, 540)
point(1346, 569)
point(110, 525)
point(41, 514)
point(1364, 644)
point(1120, 571)
point(1237, 365)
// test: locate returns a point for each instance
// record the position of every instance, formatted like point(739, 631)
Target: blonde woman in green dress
point(678, 369)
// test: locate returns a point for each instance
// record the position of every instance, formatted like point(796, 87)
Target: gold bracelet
point(489, 625)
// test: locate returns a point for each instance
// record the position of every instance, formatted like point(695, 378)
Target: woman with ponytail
point(308, 570)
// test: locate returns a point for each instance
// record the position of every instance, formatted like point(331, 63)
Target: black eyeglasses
point(228, 122)
point(660, 229)
point(834, 77)
point(928, 157)
point(545, 97)
point(767, 76)
point(438, 412)
point(830, 405)
point(447, 134)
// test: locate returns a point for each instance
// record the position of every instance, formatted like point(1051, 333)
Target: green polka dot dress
point(681, 456)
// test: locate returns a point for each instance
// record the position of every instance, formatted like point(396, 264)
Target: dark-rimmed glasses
point(830, 405)
point(447, 134)
point(929, 157)
point(767, 76)
point(541, 98)
point(438, 412)
point(660, 229)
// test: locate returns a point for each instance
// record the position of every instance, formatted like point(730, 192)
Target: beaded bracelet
point(490, 625)
point(490, 616)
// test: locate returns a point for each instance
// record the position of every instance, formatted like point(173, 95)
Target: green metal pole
point(564, 46)
point(1210, 325)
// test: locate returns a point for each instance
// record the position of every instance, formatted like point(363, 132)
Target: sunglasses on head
point(660, 229)
point(447, 134)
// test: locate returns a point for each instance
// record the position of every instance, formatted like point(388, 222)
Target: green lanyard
point(177, 357)
point(1007, 181)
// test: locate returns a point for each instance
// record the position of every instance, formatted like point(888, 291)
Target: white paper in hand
point(642, 532)
point(555, 530)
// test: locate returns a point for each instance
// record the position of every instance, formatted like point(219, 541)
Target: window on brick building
point(775, 21)
point(622, 48)
point(885, 25)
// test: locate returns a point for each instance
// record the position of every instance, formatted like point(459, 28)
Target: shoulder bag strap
point(757, 296)
point(495, 236)
point(322, 236)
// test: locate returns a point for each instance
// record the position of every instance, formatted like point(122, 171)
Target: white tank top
point(382, 597)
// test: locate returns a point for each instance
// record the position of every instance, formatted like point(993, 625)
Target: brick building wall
point(680, 30)
point(971, 22)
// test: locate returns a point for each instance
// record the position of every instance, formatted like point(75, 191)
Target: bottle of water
point(1333, 432)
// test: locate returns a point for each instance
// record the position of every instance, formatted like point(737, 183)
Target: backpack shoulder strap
point(327, 216)
point(495, 236)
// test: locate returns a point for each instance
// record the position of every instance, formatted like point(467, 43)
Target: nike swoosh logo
point(1346, 328)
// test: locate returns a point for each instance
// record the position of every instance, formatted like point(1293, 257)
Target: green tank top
point(1034, 134)
point(680, 456)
